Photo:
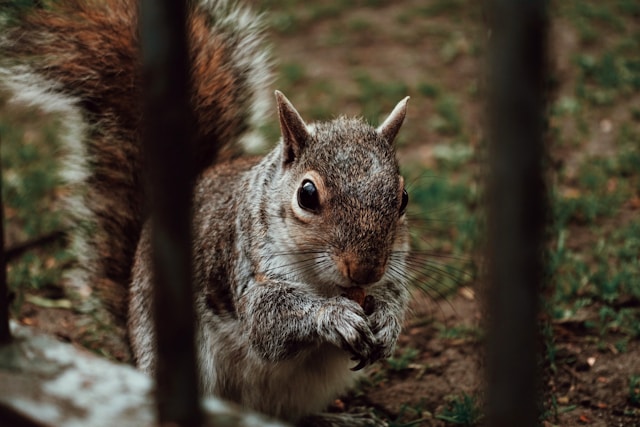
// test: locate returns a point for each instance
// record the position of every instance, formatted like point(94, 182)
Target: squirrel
point(281, 243)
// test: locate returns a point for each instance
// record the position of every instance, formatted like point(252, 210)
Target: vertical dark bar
point(5, 333)
point(516, 207)
point(168, 150)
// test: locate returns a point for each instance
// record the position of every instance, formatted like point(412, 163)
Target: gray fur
point(274, 332)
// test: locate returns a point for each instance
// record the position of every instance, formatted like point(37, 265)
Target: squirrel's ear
point(294, 130)
point(390, 127)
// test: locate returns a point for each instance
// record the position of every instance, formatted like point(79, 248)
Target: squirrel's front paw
point(343, 323)
point(386, 328)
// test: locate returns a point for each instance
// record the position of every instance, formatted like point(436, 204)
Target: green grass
point(459, 332)
point(29, 174)
point(403, 359)
point(445, 228)
point(605, 277)
point(377, 97)
point(462, 410)
point(592, 258)
point(594, 176)
point(447, 121)
point(441, 7)
point(31, 189)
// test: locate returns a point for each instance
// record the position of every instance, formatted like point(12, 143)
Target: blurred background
point(360, 57)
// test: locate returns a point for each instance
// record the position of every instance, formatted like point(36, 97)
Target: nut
point(356, 294)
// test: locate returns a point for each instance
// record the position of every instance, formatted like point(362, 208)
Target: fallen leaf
point(606, 126)
point(50, 262)
point(571, 193)
point(467, 293)
point(584, 419)
point(29, 321)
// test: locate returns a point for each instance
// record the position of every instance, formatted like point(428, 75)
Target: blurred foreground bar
point(517, 207)
point(168, 151)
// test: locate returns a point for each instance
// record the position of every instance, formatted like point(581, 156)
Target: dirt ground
point(592, 379)
point(589, 382)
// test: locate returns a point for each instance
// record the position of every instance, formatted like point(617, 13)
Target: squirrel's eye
point(404, 202)
point(308, 196)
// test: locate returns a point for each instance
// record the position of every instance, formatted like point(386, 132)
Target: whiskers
point(440, 273)
point(298, 264)
point(431, 263)
point(443, 226)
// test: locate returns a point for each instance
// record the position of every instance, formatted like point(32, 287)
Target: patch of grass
point(375, 3)
point(31, 190)
point(566, 106)
point(292, 73)
point(628, 7)
point(30, 178)
point(604, 78)
point(402, 360)
point(447, 121)
point(463, 410)
point(360, 26)
point(441, 203)
point(327, 10)
point(284, 22)
point(429, 90)
point(600, 275)
point(604, 278)
point(411, 415)
point(378, 97)
point(441, 7)
point(611, 320)
point(587, 32)
point(455, 46)
point(461, 332)
point(444, 231)
point(602, 186)
point(453, 156)
point(600, 14)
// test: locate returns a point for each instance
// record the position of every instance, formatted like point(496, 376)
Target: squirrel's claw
point(361, 364)
point(343, 323)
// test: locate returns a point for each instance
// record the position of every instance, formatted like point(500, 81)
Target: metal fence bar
point(5, 333)
point(516, 208)
point(167, 143)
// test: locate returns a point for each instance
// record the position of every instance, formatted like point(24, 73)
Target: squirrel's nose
point(361, 272)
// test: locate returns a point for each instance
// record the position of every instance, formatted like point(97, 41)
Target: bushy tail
point(81, 58)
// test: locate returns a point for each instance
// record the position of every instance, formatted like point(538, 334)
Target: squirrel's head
point(343, 199)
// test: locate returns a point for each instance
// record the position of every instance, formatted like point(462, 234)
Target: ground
point(360, 57)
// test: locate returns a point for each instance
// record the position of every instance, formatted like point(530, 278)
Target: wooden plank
point(44, 382)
